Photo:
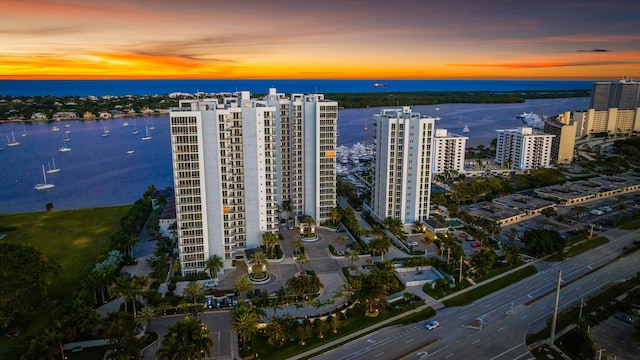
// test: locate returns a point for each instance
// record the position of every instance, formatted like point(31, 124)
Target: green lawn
point(74, 238)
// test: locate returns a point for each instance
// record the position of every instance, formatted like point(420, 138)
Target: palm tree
point(242, 286)
point(511, 254)
point(138, 283)
point(336, 213)
point(302, 259)
point(427, 241)
point(121, 288)
point(149, 313)
point(335, 322)
point(245, 324)
point(297, 244)
point(270, 241)
point(417, 227)
point(341, 240)
point(187, 339)
point(352, 256)
point(194, 291)
point(213, 265)
point(258, 263)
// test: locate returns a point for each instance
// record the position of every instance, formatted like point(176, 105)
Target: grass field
point(73, 238)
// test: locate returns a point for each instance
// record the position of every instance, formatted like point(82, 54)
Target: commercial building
point(402, 169)
point(448, 152)
point(237, 158)
point(563, 126)
point(523, 149)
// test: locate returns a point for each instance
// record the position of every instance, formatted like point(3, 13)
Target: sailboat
point(44, 185)
point(66, 137)
point(24, 133)
point(365, 124)
point(152, 127)
point(148, 136)
point(135, 130)
point(53, 170)
point(106, 132)
point(14, 142)
point(465, 129)
point(64, 148)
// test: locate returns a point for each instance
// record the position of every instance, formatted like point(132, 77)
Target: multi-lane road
point(495, 326)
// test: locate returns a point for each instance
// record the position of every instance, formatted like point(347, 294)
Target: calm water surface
point(99, 172)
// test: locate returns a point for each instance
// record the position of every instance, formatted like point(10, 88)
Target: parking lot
point(614, 335)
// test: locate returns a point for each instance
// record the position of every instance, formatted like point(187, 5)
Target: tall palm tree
point(149, 313)
point(341, 240)
point(213, 265)
point(243, 286)
point(297, 244)
point(511, 254)
point(121, 288)
point(270, 241)
point(427, 241)
point(302, 259)
point(194, 291)
point(138, 283)
point(352, 256)
point(336, 213)
point(187, 339)
point(258, 263)
point(245, 324)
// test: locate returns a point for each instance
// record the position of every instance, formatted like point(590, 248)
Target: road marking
point(379, 354)
point(523, 317)
point(504, 352)
point(408, 341)
point(371, 341)
point(502, 328)
point(475, 342)
point(450, 355)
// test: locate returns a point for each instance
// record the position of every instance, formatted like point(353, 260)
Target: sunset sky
point(328, 39)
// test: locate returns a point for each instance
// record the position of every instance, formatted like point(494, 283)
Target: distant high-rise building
point(523, 149)
point(448, 152)
point(402, 178)
point(563, 126)
point(232, 157)
point(614, 109)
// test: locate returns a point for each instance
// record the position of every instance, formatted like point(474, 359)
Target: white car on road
point(432, 325)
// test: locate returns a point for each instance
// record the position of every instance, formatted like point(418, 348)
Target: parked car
point(476, 244)
point(624, 317)
point(464, 235)
point(341, 230)
point(209, 303)
point(432, 325)
point(412, 243)
point(211, 284)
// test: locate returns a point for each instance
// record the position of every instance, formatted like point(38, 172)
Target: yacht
point(55, 128)
point(466, 129)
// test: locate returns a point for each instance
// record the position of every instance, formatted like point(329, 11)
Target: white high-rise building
point(229, 169)
point(402, 181)
point(448, 152)
point(523, 149)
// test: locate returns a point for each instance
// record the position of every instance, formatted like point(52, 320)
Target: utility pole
point(600, 353)
point(555, 312)
point(581, 305)
point(448, 254)
point(591, 233)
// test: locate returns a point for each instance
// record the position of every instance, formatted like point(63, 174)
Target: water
point(96, 172)
point(162, 87)
point(482, 119)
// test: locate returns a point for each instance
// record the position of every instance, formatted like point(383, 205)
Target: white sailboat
point(44, 185)
point(105, 132)
point(152, 127)
point(64, 148)
point(365, 124)
point(54, 169)
point(24, 133)
point(135, 130)
point(66, 137)
point(14, 142)
point(148, 136)
point(465, 129)
point(55, 128)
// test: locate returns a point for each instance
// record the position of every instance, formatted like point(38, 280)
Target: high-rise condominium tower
point(236, 159)
point(402, 182)
point(523, 149)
